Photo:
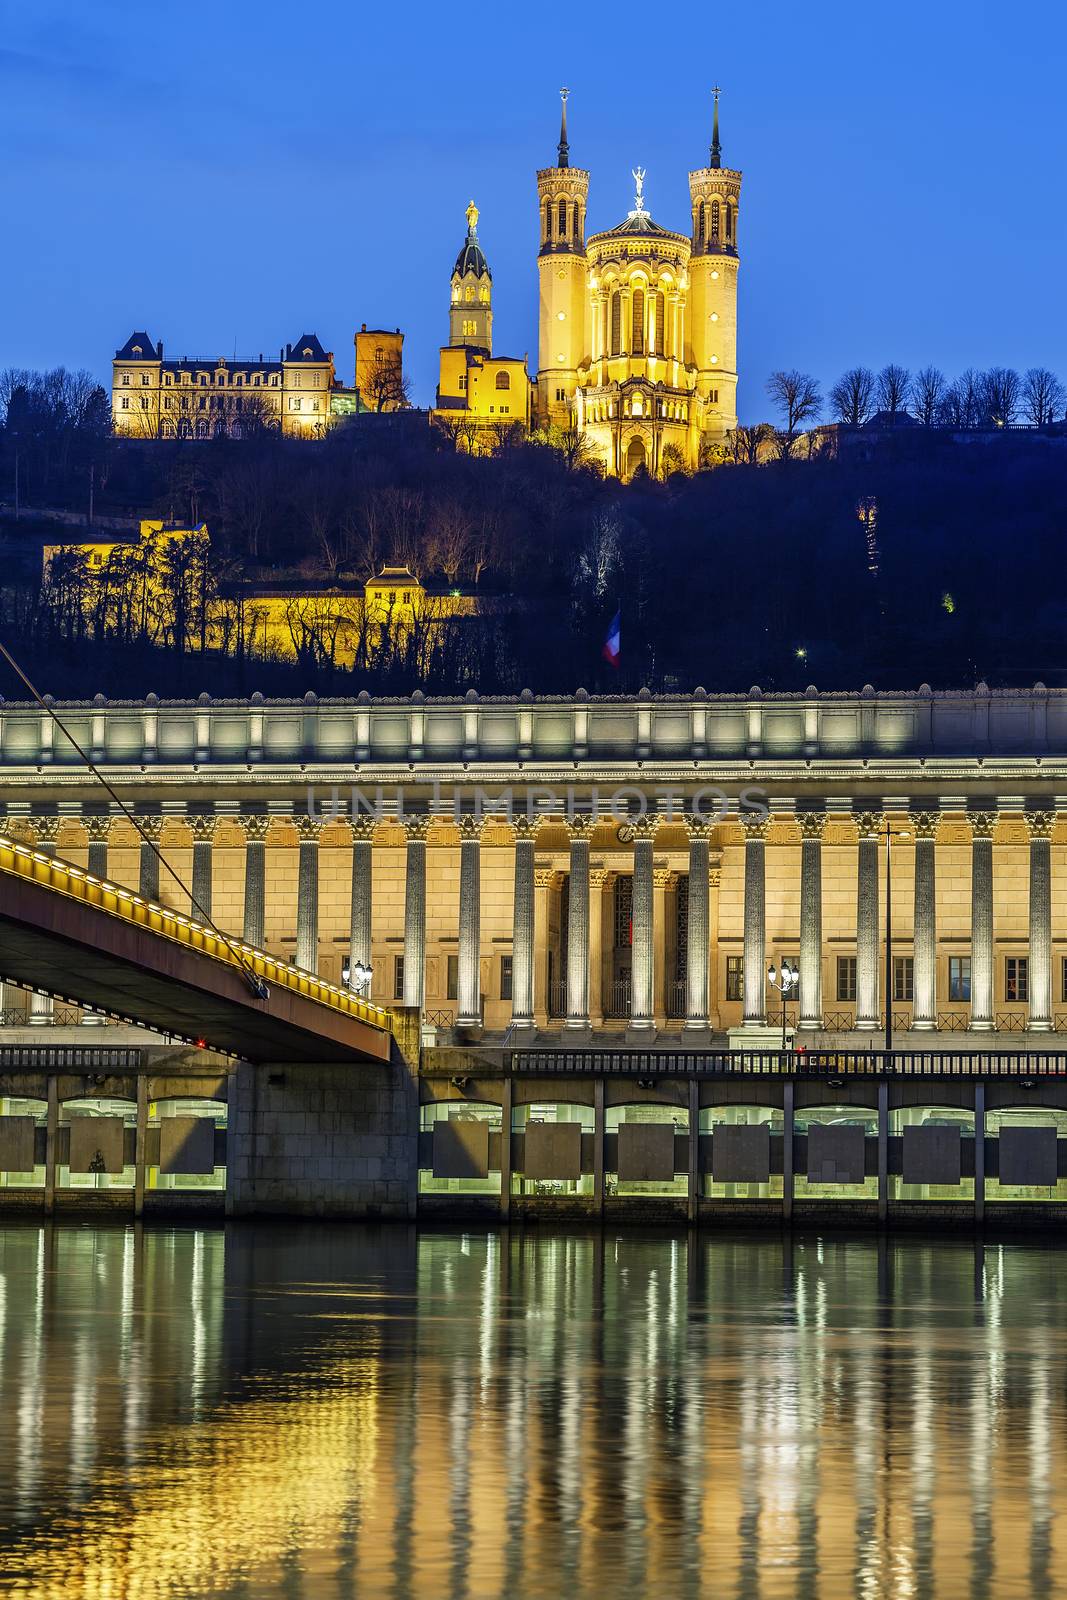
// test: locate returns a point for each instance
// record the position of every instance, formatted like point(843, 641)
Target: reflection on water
point(371, 1412)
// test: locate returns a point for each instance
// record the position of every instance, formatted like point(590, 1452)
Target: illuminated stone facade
point(197, 397)
point(638, 324)
point(601, 940)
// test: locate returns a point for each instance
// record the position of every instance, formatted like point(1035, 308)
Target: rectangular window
point(505, 978)
point(735, 977)
point(144, 402)
point(846, 977)
point(1016, 978)
point(125, 402)
point(294, 405)
point(398, 977)
point(126, 379)
point(145, 380)
point(903, 978)
point(959, 977)
point(452, 978)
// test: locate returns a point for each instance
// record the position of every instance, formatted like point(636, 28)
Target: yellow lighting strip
point(63, 877)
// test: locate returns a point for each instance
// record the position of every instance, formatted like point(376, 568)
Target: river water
point(378, 1412)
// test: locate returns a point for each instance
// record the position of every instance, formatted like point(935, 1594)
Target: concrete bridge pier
point(330, 1139)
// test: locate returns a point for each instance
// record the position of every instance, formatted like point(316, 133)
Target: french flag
point(610, 651)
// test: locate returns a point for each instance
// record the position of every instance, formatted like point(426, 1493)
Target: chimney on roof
point(161, 349)
point(288, 352)
point(261, 358)
point(364, 328)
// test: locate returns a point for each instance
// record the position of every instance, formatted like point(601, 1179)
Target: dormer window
point(137, 350)
point(201, 377)
point(307, 355)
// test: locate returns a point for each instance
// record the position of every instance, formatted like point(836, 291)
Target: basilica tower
point(715, 194)
point(563, 341)
point(470, 317)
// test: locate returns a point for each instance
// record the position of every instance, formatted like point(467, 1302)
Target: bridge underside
point(78, 953)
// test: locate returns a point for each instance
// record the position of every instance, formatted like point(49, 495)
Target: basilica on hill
point(637, 343)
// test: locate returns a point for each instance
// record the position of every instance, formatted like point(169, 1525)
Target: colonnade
point(582, 929)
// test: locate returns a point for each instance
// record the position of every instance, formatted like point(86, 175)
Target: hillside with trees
point(801, 560)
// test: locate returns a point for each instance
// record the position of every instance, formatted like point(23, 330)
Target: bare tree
point(751, 441)
point(1043, 396)
point(385, 387)
point(797, 396)
point(962, 405)
point(850, 397)
point(1000, 396)
point(893, 389)
point(928, 396)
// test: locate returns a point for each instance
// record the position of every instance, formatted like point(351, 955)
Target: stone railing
point(418, 731)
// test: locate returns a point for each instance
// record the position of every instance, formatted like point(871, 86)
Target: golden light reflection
point(195, 1412)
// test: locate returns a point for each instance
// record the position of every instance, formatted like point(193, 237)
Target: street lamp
point(891, 833)
point(357, 977)
point(785, 982)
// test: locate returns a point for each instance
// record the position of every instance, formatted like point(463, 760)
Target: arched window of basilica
point(616, 323)
point(714, 222)
point(503, 380)
point(563, 219)
point(637, 344)
point(483, 294)
point(661, 324)
point(729, 224)
point(470, 292)
point(577, 224)
point(701, 222)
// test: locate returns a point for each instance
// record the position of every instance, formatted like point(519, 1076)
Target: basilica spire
point(716, 148)
point(564, 148)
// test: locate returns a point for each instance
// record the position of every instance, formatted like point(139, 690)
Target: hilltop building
point(638, 323)
point(197, 397)
point(475, 387)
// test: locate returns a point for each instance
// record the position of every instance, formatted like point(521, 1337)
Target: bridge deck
point(83, 939)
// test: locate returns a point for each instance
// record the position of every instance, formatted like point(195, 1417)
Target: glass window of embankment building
point(958, 1122)
point(644, 1115)
point(183, 1139)
point(836, 1169)
point(545, 1160)
point(1029, 1140)
point(713, 1118)
point(459, 1147)
point(23, 1124)
point(97, 1140)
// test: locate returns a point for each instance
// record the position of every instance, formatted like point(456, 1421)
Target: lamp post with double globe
point(785, 981)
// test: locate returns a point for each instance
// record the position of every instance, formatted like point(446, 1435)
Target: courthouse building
point(581, 899)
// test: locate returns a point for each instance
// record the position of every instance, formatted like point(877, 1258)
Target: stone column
point(98, 828)
point(867, 940)
point(982, 920)
point(755, 979)
point(1040, 973)
point(416, 827)
point(522, 938)
point(469, 987)
point(255, 824)
point(924, 1009)
point(360, 926)
point(642, 975)
point(307, 894)
point(148, 879)
point(546, 879)
point(812, 824)
point(600, 882)
point(203, 829)
point(698, 930)
point(42, 1006)
point(581, 828)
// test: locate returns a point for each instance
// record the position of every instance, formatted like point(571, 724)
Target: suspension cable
point(255, 982)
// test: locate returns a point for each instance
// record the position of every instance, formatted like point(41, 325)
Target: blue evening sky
point(243, 171)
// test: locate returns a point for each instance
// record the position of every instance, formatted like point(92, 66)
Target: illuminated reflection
point(294, 1412)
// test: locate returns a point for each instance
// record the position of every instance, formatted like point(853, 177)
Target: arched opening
point(503, 380)
point(715, 213)
point(637, 343)
point(660, 346)
point(577, 225)
point(563, 219)
point(548, 221)
point(616, 323)
point(701, 223)
point(729, 224)
point(635, 456)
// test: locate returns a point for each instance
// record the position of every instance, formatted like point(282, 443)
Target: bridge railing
point(65, 878)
